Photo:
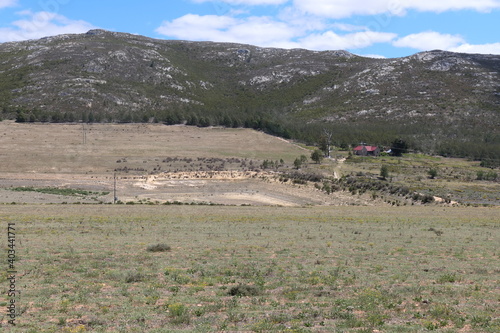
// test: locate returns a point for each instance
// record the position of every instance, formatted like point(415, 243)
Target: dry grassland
point(87, 268)
point(88, 156)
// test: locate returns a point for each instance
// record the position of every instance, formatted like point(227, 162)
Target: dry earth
point(151, 162)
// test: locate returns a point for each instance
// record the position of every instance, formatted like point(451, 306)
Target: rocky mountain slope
point(112, 76)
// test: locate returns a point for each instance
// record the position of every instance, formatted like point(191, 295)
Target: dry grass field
point(120, 268)
point(153, 163)
point(87, 157)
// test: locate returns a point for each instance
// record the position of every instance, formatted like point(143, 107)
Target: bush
point(427, 199)
point(179, 313)
point(317, 156)
point(491, 175)
point(134, 277)
point(432, 173)
point(244, 290)
point(158, 248)
point(448, 278)
point(384, 171)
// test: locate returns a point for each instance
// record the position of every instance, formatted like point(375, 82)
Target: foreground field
point(93, 268)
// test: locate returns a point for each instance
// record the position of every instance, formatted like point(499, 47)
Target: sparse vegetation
point(317, 156)
point(384, 172)
point(256, 269)
point(243, 290)
point(59, 191)
point(433, 172)
point(159, 248)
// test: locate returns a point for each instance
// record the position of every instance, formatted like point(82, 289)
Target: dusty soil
point(151, 163)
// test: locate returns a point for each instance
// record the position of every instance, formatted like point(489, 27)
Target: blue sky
point(381, 28)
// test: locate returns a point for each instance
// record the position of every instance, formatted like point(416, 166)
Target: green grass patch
point(59, 191)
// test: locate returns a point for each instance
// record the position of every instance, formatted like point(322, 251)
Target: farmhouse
point(367, 150)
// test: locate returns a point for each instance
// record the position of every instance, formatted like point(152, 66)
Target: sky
point(375, 28)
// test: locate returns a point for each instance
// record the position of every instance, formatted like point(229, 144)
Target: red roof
point(368, 148)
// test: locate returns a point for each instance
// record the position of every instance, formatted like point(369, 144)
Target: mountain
point(439, 101)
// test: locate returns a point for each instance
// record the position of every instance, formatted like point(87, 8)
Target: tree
point(325, 142)
point(399, 147)
point(227, 121)
point(205, 122)
point(432, 173)
point(193, 120)
point(317, 156)
point(21, 118)
point(297, 163)
point(236, 123)
point(384, 171)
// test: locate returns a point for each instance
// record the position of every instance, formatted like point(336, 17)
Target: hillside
point(435, 100)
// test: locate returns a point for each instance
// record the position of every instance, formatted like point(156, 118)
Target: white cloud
point(262, 31)
point(7, 3)
point(249, 2)
point(266, 31)
point(446, 5)
point(305, 21)
point(331, 41)
point(196, 27)
point(374, 56)
point(493, 48)
point(429, 40)
point(348, 27)
point(41, 24)
point(347, 8)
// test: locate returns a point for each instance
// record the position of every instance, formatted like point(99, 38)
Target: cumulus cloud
point(446, 5)
point(347, 8)
point(331, 41)
point(36, 25)
point(262, 31)
point(196, 27)
point(7, 3)
point(493, 48)
point(249, 2)
point(267, 31)
point(429, 40)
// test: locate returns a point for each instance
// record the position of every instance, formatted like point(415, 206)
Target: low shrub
point(244, 290)
point(134, 277)
point(158, 248)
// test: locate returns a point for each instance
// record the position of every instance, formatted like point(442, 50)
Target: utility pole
point(84, 134)
point(114, 188)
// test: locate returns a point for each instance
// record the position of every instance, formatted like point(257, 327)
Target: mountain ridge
point(111, 76)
